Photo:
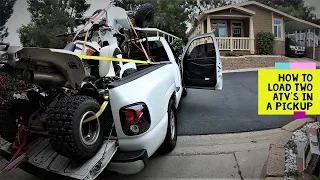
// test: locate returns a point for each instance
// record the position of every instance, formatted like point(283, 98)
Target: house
point(236, 25)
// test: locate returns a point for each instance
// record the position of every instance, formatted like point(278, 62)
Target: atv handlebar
point(93, 28)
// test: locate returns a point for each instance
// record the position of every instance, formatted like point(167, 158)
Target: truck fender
point(171, 94)
point(105, 67)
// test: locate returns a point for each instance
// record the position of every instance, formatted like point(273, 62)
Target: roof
point(301, 25)
point(232, 6)
point(293, 25)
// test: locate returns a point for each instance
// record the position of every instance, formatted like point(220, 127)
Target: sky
point(21, 16)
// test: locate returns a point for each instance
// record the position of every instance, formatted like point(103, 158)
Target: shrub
point(265, 43)
point(232, 53)
point(177, 46)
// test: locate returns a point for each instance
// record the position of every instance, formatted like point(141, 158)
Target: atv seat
point(70, 47)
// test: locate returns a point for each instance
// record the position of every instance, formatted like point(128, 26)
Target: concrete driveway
point(234, 109)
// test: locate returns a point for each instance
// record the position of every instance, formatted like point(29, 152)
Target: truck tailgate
point(41, 154)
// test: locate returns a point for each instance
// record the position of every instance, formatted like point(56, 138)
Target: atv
point(69, 99)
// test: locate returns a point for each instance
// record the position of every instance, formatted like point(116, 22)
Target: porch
point(233, 34)
point(232, 27)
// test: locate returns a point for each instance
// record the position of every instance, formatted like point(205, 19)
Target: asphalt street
point(234, 109)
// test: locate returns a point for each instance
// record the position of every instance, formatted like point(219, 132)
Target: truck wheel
point(69, 136)
point(184, 92)
point(171, 138)
point(144, 15)
point(12, 113)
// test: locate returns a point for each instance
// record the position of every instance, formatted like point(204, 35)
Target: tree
point(50, 18)
point(6, 10)
point(196, 7)
point(296, 8)
point(170, 16)
point(173, 15)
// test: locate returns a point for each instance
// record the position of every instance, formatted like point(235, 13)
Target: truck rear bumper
point(129, 162)
point(150, 141)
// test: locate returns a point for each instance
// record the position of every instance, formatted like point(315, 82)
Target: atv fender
point(105, 67)
point(67, 62)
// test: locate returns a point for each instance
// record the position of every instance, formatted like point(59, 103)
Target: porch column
point(314, 44)
point(202, 27)
point(208, 24)
point(309, 38)
point(300, 37)
point(251, 34)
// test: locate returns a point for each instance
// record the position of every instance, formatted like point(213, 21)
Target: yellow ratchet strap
point(99, 58)
point(103, 107)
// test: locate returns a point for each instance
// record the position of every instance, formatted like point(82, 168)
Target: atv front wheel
point(69, 135)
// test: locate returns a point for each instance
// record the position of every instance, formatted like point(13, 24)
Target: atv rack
point(39, 155)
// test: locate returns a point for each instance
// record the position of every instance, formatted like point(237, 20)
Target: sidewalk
point(222, 156)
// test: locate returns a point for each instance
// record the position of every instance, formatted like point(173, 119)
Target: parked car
point(293, 48)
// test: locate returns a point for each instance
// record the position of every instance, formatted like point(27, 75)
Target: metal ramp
point(40, 154)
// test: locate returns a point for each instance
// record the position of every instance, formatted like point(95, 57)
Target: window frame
point(221, 21)
point(279, 26)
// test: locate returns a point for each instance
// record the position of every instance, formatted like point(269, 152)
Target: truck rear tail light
point(135, 119)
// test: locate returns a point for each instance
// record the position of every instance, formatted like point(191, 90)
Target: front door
point(201, 64)
point(236, 28)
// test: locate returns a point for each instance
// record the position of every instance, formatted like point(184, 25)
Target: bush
point(232, 53)
point(265, 43)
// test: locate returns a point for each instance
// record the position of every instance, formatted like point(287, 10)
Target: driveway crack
point(239, 171)
point(246, 87)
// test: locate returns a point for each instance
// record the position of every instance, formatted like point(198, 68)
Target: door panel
point(201, 65)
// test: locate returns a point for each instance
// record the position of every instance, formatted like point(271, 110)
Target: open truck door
point(201, 63)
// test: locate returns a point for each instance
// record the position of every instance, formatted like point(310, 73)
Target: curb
point(276, 159)
point(246, 70)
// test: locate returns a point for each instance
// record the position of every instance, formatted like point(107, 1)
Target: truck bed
point(41, 155)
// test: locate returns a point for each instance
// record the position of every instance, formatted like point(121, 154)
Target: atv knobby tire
point(144, 16)
point(128, 72)
point(66, 136)
point(12, 113)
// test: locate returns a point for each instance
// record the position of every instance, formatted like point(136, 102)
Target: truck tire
point(68, 135)
point(11, 111)
point(184, 92)
point(144, 16)
point(170, 140)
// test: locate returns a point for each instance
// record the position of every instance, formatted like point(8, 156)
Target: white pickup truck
point(139, 119)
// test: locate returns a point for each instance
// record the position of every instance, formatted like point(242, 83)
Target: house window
point(220, 29)
point(277, 28)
